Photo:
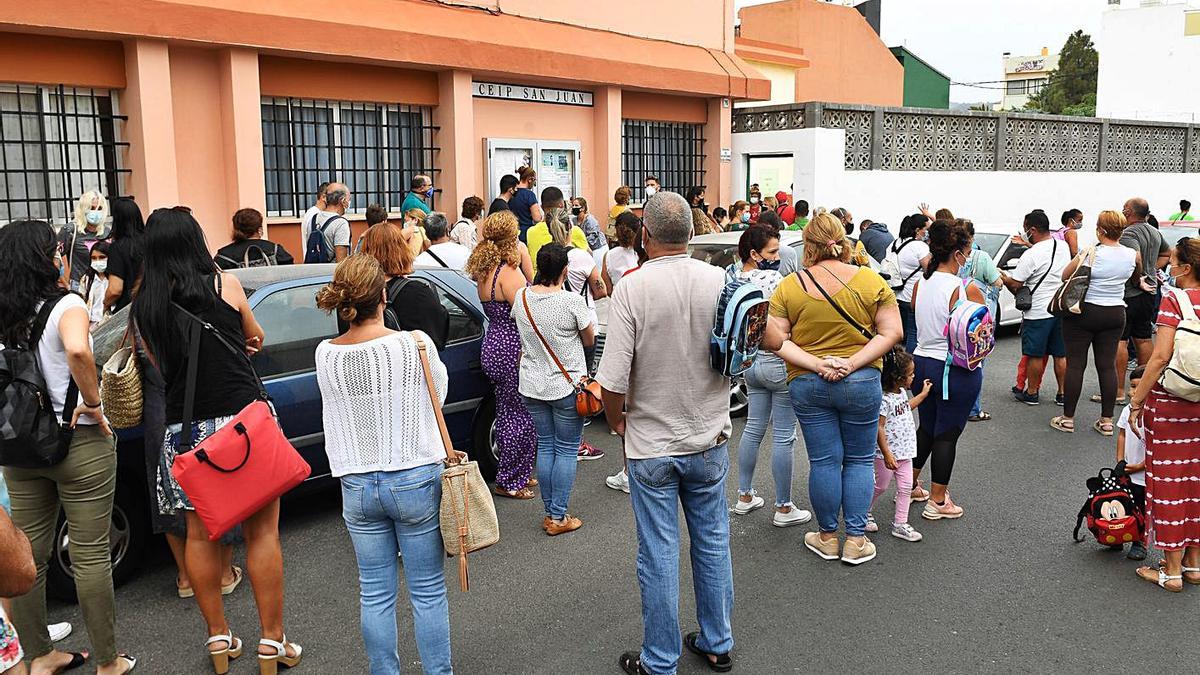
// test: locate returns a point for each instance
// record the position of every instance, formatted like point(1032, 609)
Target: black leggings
point(942, 448)
point(1098, 327)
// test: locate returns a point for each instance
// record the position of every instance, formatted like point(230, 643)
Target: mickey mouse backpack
point(1112, 515)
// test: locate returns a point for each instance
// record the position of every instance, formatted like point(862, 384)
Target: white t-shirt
point(1135, 447)
point(580, 264)
point(620, 261)
point(1113, 267)
point(95, 300)
point(1033, 265)
point(52, 356)
point(560, 316)
point(909, 260)
point(898, 426)
point(453, 254)
point(307, 218)
point(464, 233)
point(337, 234)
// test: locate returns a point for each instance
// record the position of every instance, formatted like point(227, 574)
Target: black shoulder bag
point(1024, 295)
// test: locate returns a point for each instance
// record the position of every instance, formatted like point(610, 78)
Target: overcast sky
point(965, 38)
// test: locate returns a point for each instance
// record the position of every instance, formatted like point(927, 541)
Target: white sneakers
point(618, 481)
point(58, 631)
point(794, 517)
point(872, 526)
point(906, 532)
point(741, 508)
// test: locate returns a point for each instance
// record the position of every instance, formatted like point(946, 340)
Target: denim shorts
point(1041, 337)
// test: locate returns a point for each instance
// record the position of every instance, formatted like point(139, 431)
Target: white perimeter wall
point(983, 196)
point(1147, 65)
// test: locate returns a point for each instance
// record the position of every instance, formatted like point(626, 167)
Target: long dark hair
point(755, 239)
point(551, 260)
point(177, 268)
point(945, 237)
point(126, 219)
point(912, 223)
point(28, 275)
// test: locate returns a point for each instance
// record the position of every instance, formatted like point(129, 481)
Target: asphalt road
point(1004, 589)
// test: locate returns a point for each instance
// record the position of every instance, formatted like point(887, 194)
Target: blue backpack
point(738, 327)
point(316, 249)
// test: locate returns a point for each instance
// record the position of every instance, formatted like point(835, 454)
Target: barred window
point(373, 148)
point(56, 143)
point(672, 151)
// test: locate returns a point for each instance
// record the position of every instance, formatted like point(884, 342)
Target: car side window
point(1013, 253)
point(463, 323)
point(294, 327)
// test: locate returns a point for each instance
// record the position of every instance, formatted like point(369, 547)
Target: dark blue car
point(283, 300)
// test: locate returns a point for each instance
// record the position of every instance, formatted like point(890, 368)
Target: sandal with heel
point(269, 664)
point(222, 657)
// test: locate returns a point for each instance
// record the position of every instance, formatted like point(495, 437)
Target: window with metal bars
point(56, 143)
point(672, 151)
point(374, 148)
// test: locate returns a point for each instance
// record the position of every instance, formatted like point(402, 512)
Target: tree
point(1071, 89)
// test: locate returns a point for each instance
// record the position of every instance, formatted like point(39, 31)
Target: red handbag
point(244, 465)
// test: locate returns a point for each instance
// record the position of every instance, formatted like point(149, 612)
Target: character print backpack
point(1111, 512)
point(971, 336)
point(738, 327)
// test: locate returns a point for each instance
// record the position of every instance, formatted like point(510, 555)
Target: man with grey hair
point(420, 191)
point(332, 224)
point(676, 447)
point(1141, 305)
point(442, 252)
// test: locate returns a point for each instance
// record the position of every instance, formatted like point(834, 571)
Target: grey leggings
point(1098, 327)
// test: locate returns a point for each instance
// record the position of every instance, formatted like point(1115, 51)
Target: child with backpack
point(1131, 456)
point(897, 440)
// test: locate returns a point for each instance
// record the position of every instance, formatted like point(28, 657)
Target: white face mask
point(754, 200)
point(651, 191)
point(100, 265)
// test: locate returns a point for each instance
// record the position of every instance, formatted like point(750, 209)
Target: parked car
point(284, 302)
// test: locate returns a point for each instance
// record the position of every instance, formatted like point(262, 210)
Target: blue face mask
point(429, 193)
point(94, 217)
point(769, 265)
point(746, 217)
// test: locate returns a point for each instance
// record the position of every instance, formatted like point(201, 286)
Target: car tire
point(129, 534)
point(739, 397)
point(483, 440)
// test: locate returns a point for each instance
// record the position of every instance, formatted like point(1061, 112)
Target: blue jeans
point(559, 429)
point(390, 512)
point(908, 320)
point(840, 422)
point(766, 381)
point(656, 487)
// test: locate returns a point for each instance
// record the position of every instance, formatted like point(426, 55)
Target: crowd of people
point(856, 359)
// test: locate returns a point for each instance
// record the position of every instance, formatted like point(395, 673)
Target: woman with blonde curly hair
point(832, 323)
point(89, 224)
point(495, 267)
point(414, 303)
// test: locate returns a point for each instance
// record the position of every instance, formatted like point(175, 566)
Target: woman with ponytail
point(943, 418)
point(383, 442)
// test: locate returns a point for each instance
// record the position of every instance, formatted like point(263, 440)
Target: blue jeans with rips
point(390, 512)
point(559, 430)
point(658, 487)
point(770, 403)
point(840, 422)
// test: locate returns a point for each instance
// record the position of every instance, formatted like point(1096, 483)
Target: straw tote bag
point(468, 514)
point(121, 387)
point(1068, 299)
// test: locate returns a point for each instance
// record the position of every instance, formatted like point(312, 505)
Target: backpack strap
point(437, 258)
point(1186, 308)
point(35, 337)
point(962, 297)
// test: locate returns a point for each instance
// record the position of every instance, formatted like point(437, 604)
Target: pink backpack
point(971, 336)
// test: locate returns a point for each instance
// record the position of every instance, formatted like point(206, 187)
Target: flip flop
point(523, 493)
point(983, 416)
point(1100, 428)
point(238, 575)
point(1061, 422)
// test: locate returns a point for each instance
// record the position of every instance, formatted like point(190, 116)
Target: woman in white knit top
point(383, 442)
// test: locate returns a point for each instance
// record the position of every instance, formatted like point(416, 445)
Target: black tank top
point(225, 382)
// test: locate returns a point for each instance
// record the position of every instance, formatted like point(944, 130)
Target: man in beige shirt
point(676, 431)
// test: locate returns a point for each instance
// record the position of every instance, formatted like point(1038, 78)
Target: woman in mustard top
point(833, 377)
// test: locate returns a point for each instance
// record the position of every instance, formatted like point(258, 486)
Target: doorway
point(772, 173)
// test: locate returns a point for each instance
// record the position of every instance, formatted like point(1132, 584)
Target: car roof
point(731, 238)
point(255, 278)
point(997, 228)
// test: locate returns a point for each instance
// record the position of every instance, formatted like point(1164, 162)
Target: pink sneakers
point(948, 509)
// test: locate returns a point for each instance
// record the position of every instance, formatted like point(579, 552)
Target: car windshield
point(990, 242)
point(721, 255)
point(1172, 235)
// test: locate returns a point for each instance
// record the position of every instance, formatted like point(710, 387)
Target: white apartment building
point(1149, 58)
point(1024, 76)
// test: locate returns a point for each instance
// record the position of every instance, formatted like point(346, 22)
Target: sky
point(966, 38)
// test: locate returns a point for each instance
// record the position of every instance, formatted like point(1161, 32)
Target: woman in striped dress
point(1172, 429)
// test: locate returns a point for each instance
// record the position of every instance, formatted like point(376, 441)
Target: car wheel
point(484, 448)
point(739, 397)
point(128, 533)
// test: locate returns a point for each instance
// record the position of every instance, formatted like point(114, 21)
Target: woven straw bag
point(121, 389)
point(468, 514)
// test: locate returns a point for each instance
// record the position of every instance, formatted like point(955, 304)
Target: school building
point(224, 104)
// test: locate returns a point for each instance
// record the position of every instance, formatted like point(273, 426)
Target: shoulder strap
point(187, 438)
point(451, 457)
point(1050, 266)
point(849, 319)
point(437, 258)
point(529, 314)
point(35, 337)
point(1186, 307)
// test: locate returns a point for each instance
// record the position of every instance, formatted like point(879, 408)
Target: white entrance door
point(556, 163)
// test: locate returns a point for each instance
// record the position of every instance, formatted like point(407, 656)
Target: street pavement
point(1004, 589)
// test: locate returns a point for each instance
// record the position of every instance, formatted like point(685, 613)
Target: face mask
point(576, 210)
point(745, 217)
point(651, 191)
point(100, 265)
point(62, 269)
point(1174, 280)
point(754, 200)
point(429, 193)
point(94, 217)
point(768, 265)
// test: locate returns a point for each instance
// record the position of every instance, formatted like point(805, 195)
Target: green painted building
point(924, 85)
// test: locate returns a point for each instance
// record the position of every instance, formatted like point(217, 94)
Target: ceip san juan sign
point(519, 92)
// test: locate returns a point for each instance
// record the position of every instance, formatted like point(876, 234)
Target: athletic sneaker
point(905, 531)
point(1026, 398)
point(618, 481)
point(1137, 551)
point(872, 526)
point(857, 554)
point(58, 631)
point(1059, 399)
point(948, 509)
point(741, 508)
point(827, 549)
point(794, 517)
point(587, 452)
